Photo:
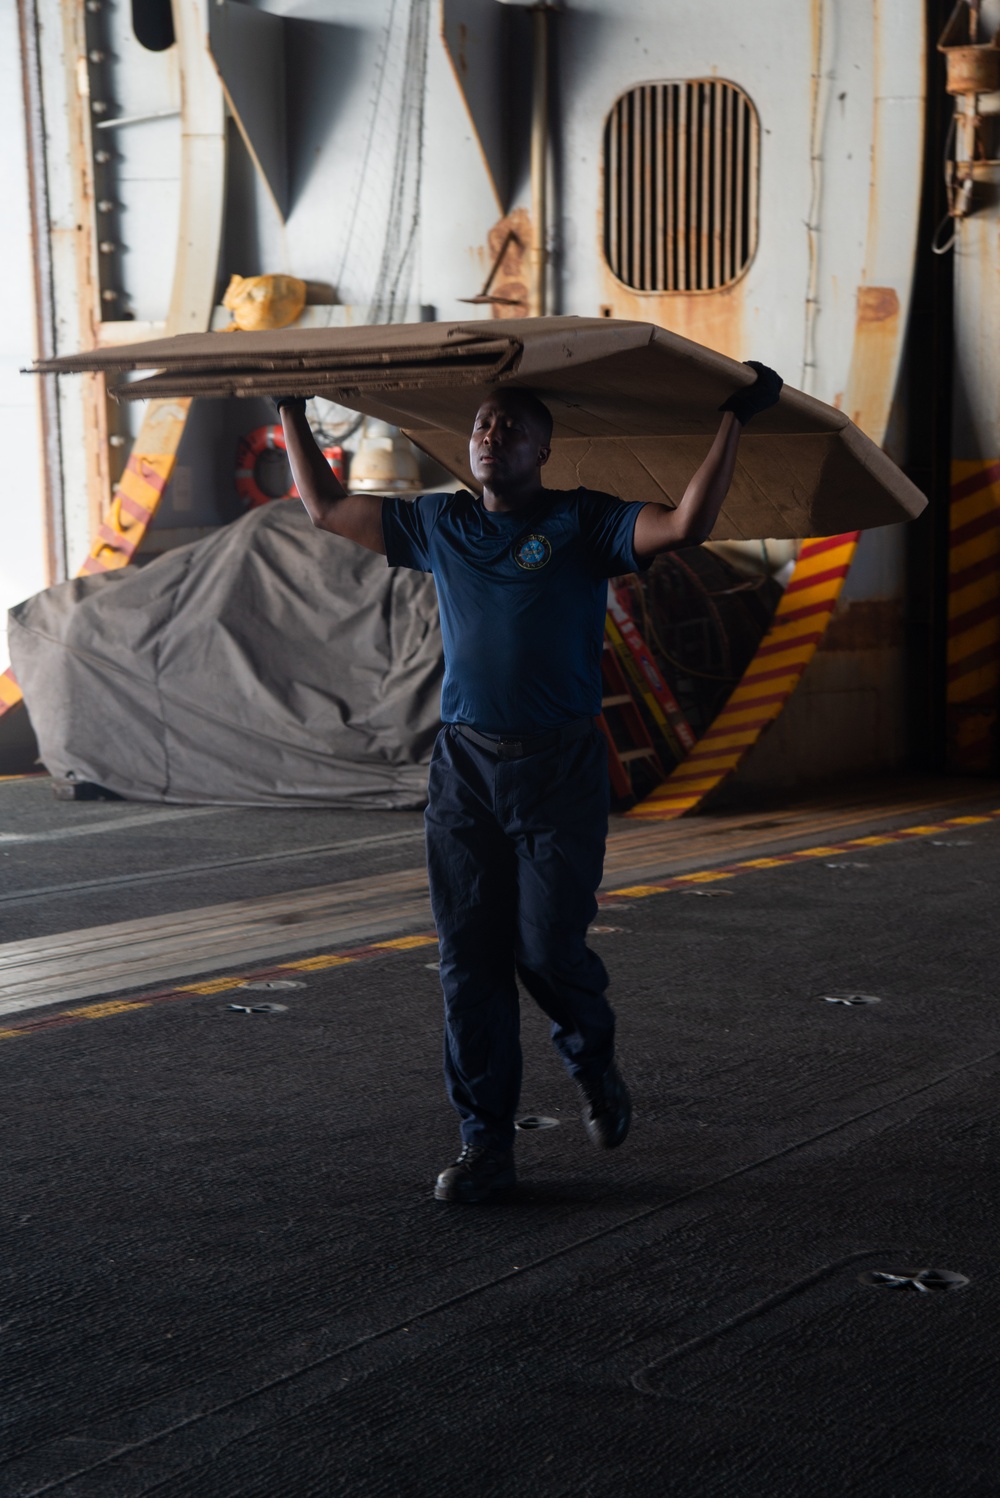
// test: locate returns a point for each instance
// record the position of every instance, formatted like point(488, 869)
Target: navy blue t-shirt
point(522, 600)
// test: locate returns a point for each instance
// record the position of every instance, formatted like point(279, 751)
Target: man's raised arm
point(657, 527)
point(357, 517)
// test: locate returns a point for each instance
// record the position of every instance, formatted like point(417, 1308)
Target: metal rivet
point(850, 998)
point(102, 157)
point(96, 55)
point(924, 1281)
point(116, 440)
point(265, 984)
point(107, 247)
point(105, 205)
point(99, 106)
point(107, 295)
point(532, 1121)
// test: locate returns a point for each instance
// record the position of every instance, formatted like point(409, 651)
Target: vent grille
point(680, 186)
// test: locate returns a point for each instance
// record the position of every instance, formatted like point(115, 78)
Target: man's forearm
point(356, 517)
point(658, 528)
point(705, 494)
point(318, 485)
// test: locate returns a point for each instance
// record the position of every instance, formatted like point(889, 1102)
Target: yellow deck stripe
point(316, 964)
point(669, 883)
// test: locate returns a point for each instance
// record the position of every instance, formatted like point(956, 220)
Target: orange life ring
point(248, 454)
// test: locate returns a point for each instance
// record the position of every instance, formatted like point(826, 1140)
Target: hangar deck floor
point(224, 1273)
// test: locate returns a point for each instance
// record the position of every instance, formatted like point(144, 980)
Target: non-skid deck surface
point(175, 939)
point(225, 1275)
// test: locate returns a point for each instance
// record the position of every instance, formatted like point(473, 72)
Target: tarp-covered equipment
point(270, 664)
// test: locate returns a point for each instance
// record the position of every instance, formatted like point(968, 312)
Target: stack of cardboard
point(634, 407)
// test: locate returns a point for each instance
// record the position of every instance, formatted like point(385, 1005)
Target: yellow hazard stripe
point(135, 502)
point(973, 655)
point(776, 669)
point(10, 692)
point(139, 490)
point(608, 899)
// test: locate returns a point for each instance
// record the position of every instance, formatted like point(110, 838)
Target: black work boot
point(607, 1110)
point(476, 1174)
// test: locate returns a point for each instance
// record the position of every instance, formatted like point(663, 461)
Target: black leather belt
point(518, 748)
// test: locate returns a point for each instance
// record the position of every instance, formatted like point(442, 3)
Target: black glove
point(762, 393)
point(297, 402)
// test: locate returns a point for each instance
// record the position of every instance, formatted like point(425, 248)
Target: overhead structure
point(634, 407)
point(248, 48)
point(477, 42)
point(486, 44)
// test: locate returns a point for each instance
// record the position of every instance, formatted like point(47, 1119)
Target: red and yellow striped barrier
point(973, 691)
point(133, 505)
point(789, 645)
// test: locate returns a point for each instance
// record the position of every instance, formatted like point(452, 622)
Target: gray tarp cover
point(271, 664)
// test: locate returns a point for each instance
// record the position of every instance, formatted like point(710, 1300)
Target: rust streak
point(877, 304)
point(511, 279)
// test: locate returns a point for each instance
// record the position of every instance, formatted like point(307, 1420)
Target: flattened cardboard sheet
point(634, 408)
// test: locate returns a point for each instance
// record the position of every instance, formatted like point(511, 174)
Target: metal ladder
point(632, 741)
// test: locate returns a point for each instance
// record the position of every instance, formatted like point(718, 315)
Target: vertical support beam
point(45, 335)
point(203, 168)
point(539, 157)
point(972, 715)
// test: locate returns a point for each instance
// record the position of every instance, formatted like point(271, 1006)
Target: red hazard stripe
point(753, 677)
point(116, 540)
point(795, 642)
point(975, 481)
point(148, 474)
point(823, 607)
point(734, 706)
point(973, 528)
point(743, 726)
point(973, 707)
point(985, 567)
point(133, 508)
point(828, 543)
point(979, 660)
point(988, 610)
point(797, 584)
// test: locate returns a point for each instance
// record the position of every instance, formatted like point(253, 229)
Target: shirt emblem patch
point(533, 552)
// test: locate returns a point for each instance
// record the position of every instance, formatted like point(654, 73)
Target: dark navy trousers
point(515, 851)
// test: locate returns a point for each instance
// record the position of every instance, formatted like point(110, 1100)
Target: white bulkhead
point(398, 203)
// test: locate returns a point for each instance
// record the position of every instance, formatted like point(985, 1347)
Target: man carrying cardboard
point(517, 808)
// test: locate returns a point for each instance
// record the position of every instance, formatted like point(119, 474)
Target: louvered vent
point(680, 185)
